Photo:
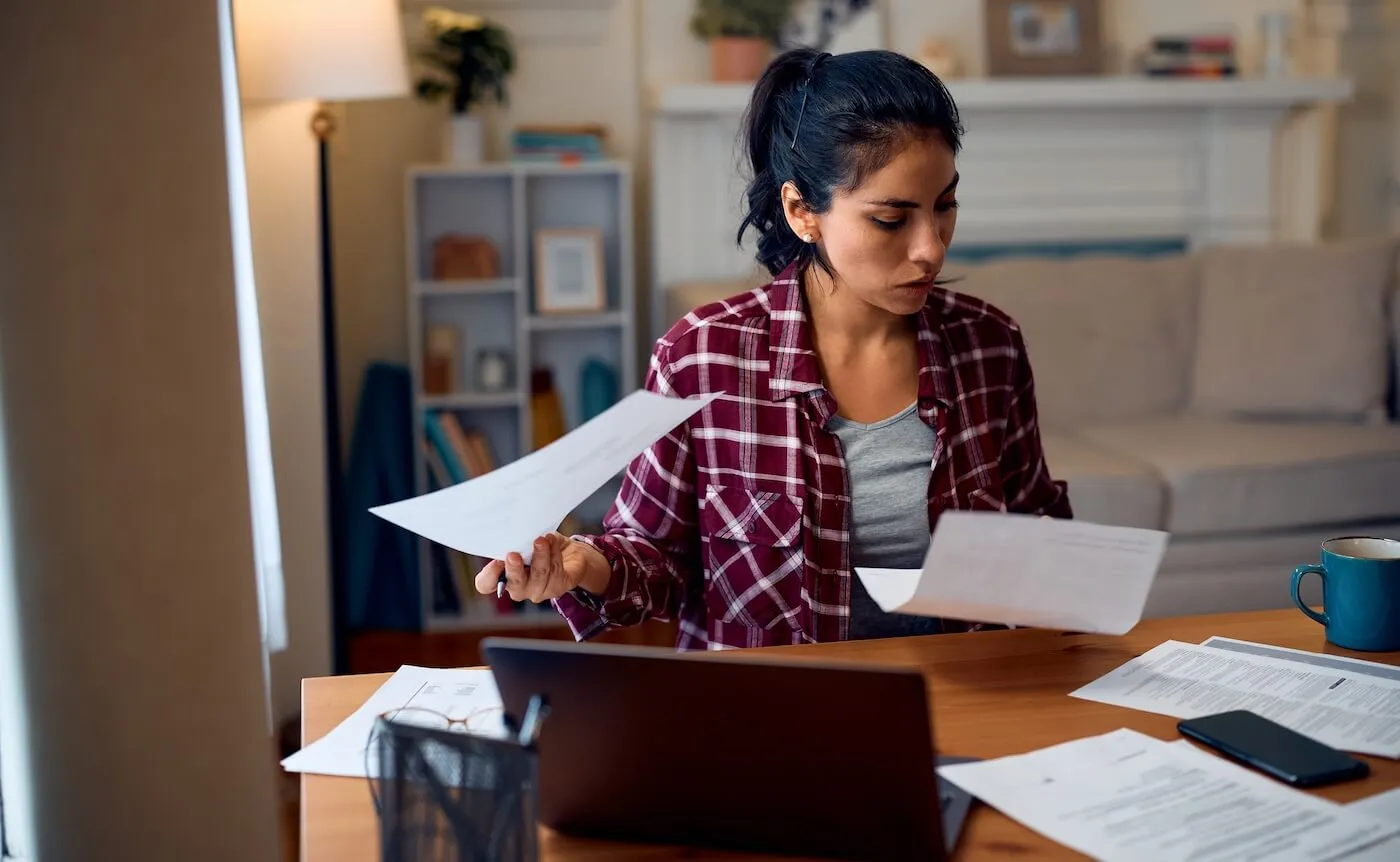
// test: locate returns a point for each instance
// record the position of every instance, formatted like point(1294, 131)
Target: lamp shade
point(332, 50)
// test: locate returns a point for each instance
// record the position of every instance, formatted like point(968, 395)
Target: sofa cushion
point(1110, 337)
point(1226, 476)
point(1291, 330)
point(1105, 487)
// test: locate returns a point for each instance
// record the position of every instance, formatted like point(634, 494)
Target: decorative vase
point(736, 58)
point(597, 388)
point(464, 140)
point(546, 409)
point(1277, 31)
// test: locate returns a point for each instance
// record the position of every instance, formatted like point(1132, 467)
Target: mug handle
point(1298, 573)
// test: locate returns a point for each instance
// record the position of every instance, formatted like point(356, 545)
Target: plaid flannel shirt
point(737, 523)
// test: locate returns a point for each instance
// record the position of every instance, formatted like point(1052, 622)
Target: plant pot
point(736, 58)
point(464, 143)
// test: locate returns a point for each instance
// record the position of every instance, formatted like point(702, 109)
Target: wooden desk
point(992, 694)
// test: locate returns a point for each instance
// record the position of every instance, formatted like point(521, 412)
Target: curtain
point(267, 542)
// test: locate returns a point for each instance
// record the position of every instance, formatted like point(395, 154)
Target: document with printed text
point(1383, 806)
point(1338, 707)
point(1014, 569)
point(507, 509)
point(412, 695)
point(1125, 795)
point(1353, 666)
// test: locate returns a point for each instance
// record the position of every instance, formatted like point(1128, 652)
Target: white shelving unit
point(507, 203)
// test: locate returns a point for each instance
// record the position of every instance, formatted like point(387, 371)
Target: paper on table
point(1016, 569)
point(1316, 659)
point(507, 509)
point(1184, 680)
point(1124, 795)
point(458, 694)
point(1383, 806)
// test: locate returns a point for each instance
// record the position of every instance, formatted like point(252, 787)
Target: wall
point(133, 557)
point(280, 153)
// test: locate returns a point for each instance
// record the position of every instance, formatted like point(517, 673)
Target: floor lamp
point(327, 51)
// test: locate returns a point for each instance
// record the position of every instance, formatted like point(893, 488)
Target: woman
point(860, 401)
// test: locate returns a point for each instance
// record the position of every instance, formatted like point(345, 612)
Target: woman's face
point(886, 239)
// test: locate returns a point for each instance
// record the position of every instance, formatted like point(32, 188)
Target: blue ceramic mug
point(1360, 592)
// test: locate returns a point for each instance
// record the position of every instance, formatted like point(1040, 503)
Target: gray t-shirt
point(888, 463)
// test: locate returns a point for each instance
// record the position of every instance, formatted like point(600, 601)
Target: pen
point(500, 584)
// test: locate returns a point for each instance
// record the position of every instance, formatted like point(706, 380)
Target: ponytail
point(770, 127)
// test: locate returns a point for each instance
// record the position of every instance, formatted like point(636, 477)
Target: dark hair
point(826, 123)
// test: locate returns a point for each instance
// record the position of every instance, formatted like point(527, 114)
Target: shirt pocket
point(754, 561)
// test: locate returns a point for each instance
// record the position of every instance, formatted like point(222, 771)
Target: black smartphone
point(1271, 748)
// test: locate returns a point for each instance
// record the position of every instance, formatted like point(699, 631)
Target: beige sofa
point(1239, 398)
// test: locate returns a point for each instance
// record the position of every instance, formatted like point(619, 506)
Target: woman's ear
point(802, 220)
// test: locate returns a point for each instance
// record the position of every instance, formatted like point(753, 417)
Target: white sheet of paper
point(1016, 569)
point(1338, 708)
point(1125, 795)
point(1382, 806)
point(507, 509)
point(458, 694)
point(1314, 659)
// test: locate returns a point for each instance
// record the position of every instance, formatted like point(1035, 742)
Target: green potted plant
point(741, 34)
point(468, 61)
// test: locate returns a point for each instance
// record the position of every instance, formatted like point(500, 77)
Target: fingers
point(516, 576)
point(542, 580)
point(485, 580)
point(546, 571)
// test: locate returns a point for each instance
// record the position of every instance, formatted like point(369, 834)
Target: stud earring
point(806, 237)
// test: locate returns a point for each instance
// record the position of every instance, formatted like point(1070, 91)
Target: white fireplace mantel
point(1043, 160)
point(975, 95)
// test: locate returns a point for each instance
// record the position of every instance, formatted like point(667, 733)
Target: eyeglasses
point(419, 716)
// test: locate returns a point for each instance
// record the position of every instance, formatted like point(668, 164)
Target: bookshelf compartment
point(470, 205)
point(566, 353)
point(590, 200)
point(498, 431)
point(479, 322)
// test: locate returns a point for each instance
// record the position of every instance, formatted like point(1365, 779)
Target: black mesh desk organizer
point(449, 796)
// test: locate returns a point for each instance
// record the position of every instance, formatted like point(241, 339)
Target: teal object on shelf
point(597, 388)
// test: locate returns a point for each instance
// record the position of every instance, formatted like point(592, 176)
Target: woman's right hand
point(558, 565)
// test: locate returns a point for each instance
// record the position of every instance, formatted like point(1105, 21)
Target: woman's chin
point(908, 300)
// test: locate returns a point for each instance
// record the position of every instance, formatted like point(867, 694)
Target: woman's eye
point(944, 206)
point(886, 224)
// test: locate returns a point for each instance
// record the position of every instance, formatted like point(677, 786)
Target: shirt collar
point(793, 361)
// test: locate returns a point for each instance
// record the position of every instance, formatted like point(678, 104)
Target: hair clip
point(806, 87)
point(800, 111)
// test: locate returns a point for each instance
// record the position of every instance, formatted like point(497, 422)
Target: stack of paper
point(1344, 703)
point(1013, 569)
point(1124, 795)
point(467, 696)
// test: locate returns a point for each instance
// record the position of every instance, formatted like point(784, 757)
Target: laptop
point(732, 751)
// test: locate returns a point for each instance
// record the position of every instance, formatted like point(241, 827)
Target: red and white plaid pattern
point(737, 522)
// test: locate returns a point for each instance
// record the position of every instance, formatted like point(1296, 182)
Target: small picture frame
point(569, 275)
point(1043, 37)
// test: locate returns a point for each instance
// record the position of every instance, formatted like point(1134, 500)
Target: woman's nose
point(927, 247)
